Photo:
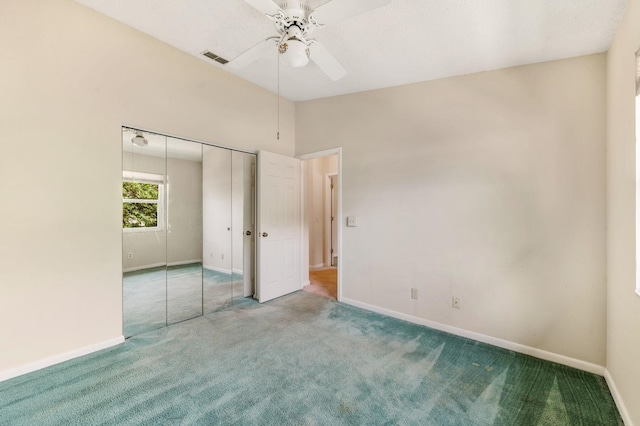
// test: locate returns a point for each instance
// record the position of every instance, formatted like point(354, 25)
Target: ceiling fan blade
point(325, 61)
point(261, 49)
point(265, 6)
point(339, 10)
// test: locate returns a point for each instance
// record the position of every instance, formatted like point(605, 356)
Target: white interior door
point(279, 230)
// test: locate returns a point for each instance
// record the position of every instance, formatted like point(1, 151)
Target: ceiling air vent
point(215, 57)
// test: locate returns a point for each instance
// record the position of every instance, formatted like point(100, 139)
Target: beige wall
point(70, 78)
point(623, 313)
point(489, 187)
point(217, 205)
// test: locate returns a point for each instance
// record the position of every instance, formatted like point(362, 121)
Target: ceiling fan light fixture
point(139, 139)
point(295, 52)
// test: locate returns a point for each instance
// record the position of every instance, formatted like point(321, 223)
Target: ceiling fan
point(294, 21)
point(139, 139)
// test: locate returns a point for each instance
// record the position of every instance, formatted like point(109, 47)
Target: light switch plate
point(352, 220)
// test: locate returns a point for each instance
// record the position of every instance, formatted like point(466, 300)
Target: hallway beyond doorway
point(323, 282)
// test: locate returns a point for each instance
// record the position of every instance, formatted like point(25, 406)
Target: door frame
point(328, 213)
point(305, 259)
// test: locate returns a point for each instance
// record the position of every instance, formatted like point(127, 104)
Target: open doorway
point(322, 223)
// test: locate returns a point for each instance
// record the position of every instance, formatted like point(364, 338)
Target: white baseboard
point(318, 266)
point(306, 283)
point(624, 413)
point(156, 265)
point(57, 359)
point(505, 344)
point(184, 262)
point(140, 268)
point(216, 269)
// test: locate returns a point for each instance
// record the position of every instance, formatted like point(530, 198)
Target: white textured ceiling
point(404, 42)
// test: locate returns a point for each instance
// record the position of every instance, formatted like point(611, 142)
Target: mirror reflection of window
point(142, 201)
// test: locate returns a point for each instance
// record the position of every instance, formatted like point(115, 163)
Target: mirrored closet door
point(216, 227)
point(184, 230)
point(144, 242)
point(187, 229)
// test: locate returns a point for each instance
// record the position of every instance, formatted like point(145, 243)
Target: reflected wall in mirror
point(184, 230)
point(216, 227)
point(187, 208)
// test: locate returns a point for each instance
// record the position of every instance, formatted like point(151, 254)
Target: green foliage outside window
point(136, 214)
point(139, 191)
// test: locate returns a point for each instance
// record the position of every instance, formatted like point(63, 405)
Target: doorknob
point(248, 232)
point(264, 234)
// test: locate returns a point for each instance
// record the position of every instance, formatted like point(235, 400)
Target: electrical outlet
point(414, 293)
point(455, 302)
point(130, 255)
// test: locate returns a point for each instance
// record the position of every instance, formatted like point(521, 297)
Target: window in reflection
point(142, 201)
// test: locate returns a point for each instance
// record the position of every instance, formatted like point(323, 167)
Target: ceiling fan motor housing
point(296, 12)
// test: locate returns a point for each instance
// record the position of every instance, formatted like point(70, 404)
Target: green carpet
point(305, 360)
